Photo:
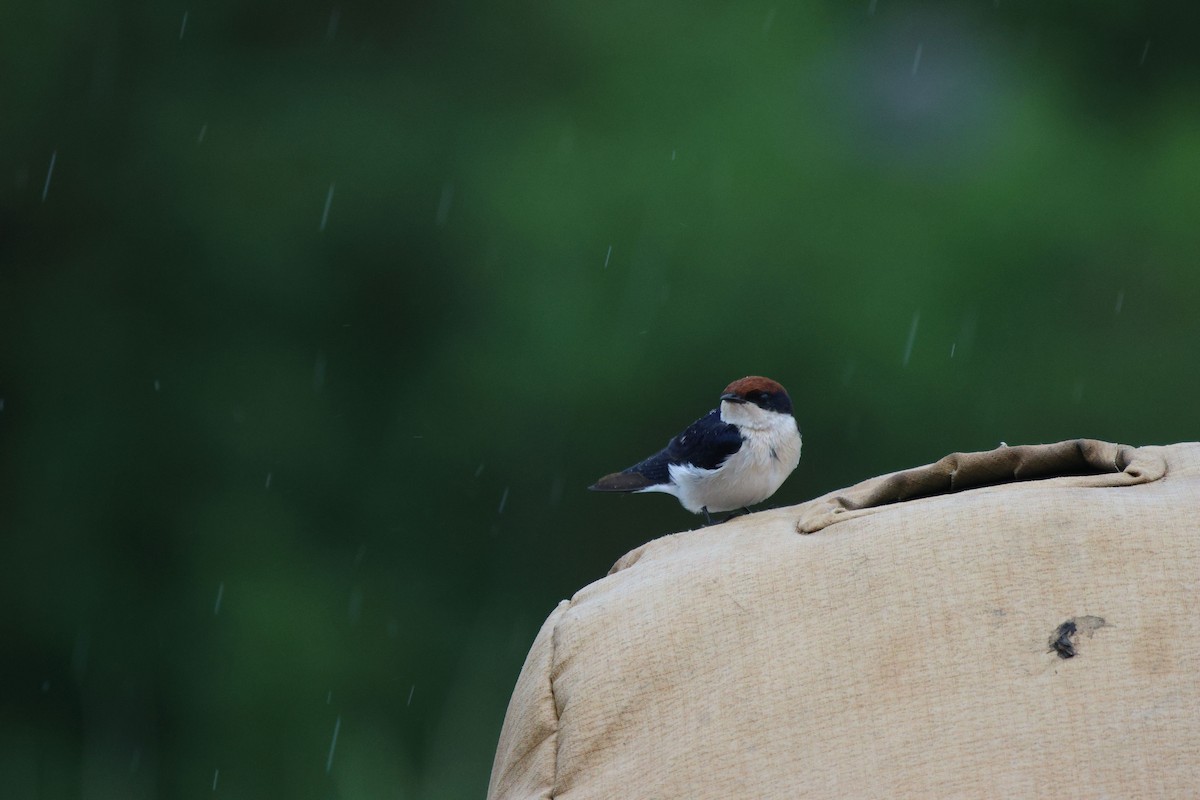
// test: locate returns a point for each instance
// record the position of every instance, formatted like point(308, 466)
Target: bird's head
point(754, 402)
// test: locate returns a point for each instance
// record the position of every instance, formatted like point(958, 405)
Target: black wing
point(706, 443)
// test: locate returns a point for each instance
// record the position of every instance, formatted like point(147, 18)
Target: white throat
point(748, 415)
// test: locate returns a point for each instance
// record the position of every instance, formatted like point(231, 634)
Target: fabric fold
point(1077, 462)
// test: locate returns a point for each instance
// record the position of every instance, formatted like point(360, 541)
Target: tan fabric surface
point(904, 651)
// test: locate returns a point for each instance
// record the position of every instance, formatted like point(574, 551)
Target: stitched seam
point(554, 698)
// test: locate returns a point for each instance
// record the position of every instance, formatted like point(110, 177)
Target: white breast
point(769, 453)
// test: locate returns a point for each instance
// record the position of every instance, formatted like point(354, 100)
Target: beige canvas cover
point(1023, 622)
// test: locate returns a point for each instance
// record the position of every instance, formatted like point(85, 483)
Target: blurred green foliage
point(316, 320)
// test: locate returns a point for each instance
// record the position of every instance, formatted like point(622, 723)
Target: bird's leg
point(708, 520)
point(741, 512)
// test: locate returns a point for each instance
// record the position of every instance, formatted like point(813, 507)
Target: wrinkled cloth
point(1016, 623)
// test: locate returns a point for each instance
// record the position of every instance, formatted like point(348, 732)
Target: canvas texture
point(1021, 622)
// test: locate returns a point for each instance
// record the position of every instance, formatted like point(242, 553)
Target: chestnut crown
point(762, 392)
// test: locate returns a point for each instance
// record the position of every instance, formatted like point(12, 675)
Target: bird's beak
point(733, 398)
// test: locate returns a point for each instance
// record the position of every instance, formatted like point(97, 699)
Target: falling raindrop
point(49, 172)
point(443, 212)
point(325, 213)
point(912, 337)
point(216, 777)
point(1117, 310)
point(479, 470)
point(503, 501)
point(203, 132)
point(269, 475)
point(952, 346)
point(871, 8)
point(337, 726)
point(1145, 52)
point(335, 17)
point(607, 256)
point(329, 697)
point(183, 25)
point(157, 385)
point(412, 689)
point(767, 23)
point(354, 610)
point(220, 594)
point(917, 58)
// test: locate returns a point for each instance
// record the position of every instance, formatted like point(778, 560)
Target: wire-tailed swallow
point(733, 457)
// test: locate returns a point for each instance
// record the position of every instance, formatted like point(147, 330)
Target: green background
point(324, 317)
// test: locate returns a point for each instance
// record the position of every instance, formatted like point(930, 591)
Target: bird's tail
point(622, 482)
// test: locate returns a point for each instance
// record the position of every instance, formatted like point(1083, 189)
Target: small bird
point(733, 457)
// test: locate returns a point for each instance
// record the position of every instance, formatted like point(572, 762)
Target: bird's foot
point(708, 518)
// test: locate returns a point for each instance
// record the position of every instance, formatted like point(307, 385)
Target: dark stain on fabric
point(1062, 641)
